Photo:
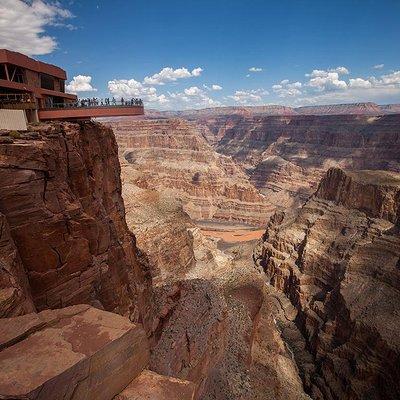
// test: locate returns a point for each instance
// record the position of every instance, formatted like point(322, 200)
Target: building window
point(62, 86)
point(16, 74)
point(3, 74)
point(46, 82)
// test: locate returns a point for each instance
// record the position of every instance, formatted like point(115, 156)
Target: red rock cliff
point(337, 260)
point(60, 195)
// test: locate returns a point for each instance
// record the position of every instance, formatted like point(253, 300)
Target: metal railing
point(95, 102)
point(16, 98)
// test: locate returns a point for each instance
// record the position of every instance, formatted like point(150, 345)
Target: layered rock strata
point(286, 156)
point(337, 260)
point(172, 154)
point(64, 228)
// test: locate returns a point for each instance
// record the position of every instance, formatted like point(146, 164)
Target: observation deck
point(85, 109)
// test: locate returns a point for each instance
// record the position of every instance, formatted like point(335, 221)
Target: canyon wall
point(336, 259)
point(365, 108)
point(64, 237)
point(172, 155)
point(283, 152)
point(285, 156)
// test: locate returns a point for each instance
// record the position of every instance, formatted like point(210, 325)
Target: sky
point(179, 54)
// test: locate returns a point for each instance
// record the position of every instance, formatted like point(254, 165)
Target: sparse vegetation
point(15, 134)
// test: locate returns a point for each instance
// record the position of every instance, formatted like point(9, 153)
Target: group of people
point(106, 102)
point(13, 98)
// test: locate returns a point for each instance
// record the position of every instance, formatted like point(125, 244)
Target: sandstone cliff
point(172, 154)
point(15, 294)
point(337, 260)
point(63, 223)
point(286, 156)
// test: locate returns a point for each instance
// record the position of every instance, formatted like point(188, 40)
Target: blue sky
point(199, 54)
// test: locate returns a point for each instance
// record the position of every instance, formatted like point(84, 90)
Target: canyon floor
point(211, 257)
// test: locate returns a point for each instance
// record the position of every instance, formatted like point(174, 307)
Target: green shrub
point(15, 134)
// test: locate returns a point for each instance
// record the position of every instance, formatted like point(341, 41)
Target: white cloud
point(255, 69)
point(23, 24)
point(192, 97)
point(391, 79)
point(378, 66)
point(132, 88)
point(287, 89)
point(249, 97)
point(323, 73)
point(359, 83)
point(193, 91)
point(340, 70)
point(81, 83)
point(321, 80)
point(213, 87)
point(147, 91)
point(325, 87)
point(197, 71)
point(169, 74)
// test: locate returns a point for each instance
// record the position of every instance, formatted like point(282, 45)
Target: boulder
point(73, 353)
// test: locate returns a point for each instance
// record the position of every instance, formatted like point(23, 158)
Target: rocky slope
point(336, 259)
point(63, 224)
point(171, 154)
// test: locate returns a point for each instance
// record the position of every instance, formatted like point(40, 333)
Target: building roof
point(12, 57)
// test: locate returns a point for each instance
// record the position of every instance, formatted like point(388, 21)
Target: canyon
point(171, 154)
point(276, 154)
point(233, 253)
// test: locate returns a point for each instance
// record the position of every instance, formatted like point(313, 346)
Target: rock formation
point(15, 294)
point(171, 154)
point(167, 314)
point(337, 260)
point(170, 250)
point(343, 109)
point(366, 108)
point(73, 353)
point(214, 319)
point(151, 386)
point(63, 224)
point(285, 151)
point(285, 157)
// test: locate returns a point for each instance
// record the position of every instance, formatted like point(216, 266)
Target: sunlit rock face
point(337, 260)
point(173, 154)
point(285, 151)
point(64, 234)
point(286, 156)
